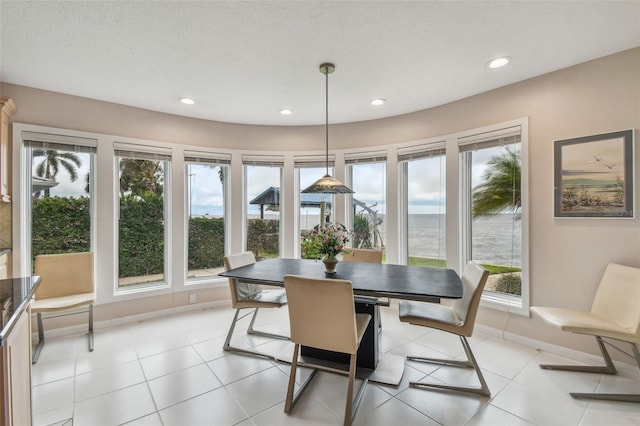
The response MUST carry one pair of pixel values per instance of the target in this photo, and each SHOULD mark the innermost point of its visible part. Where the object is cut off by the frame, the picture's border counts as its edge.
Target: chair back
(64, 274)
(240, 291)
(618, 297)
(363, 255)
(322, 313)
(473, 278)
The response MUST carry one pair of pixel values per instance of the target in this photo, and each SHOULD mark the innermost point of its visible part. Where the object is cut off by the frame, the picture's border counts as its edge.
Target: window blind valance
(48, 141)
(365, 157)
(416, 152)
(206, 157)
(307, 161)
(507, 136)
(263, 160)
(141, 152)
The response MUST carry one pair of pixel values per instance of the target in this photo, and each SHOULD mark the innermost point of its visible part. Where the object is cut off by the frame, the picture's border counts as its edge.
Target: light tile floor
(173, 371)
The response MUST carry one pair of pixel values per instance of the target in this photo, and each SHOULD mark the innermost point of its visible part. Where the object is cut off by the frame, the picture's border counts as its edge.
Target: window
(205, 176)
(312, 206)
(143, 180)
(424, 171)
(263, 177)
(62, 170)
(367, 175)
(491, 166)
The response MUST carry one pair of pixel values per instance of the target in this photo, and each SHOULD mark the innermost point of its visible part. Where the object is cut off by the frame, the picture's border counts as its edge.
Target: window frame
(202, 158)
(405, 155)
(151, 153)
(29, 137)
(493, 300)
(373, 156)
(272, 161)
(300, 162)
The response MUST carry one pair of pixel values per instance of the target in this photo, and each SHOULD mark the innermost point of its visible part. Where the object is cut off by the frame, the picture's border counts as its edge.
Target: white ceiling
(244, 61)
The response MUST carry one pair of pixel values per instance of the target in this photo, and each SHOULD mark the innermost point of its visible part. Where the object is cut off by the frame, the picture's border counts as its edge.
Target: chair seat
(62, 303)
(265, 298)
(585, 323)
(432, 315)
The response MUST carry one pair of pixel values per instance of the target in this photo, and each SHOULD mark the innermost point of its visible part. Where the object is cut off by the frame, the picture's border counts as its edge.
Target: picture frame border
(629, 175)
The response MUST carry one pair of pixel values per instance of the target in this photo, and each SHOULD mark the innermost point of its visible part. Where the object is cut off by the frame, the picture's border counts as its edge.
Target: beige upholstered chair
(368, 256)
(67, 283)
(457, 319)
(250, 296)
(615, 314)
(322, 315)
(363, 255)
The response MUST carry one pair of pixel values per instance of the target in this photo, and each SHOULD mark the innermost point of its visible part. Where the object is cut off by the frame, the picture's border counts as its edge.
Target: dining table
(370, 282)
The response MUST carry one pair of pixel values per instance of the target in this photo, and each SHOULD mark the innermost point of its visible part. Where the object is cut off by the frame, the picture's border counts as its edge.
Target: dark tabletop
(15, 294)
(368, 279)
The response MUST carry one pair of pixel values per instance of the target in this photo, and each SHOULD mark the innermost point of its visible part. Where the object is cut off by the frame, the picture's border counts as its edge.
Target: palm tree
(52, 163)
(500, 189)
(139, 176)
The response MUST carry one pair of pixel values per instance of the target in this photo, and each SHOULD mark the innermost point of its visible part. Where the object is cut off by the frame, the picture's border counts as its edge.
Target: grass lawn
(441, 263)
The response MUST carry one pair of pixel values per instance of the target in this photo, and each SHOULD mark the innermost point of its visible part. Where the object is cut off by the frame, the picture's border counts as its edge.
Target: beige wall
(567, 257)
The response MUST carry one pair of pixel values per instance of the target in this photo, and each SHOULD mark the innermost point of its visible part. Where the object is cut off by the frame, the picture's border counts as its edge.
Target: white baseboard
(114, 322)
(583, 357)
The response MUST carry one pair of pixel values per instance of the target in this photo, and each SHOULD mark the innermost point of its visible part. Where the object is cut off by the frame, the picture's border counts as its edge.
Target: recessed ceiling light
(499, 62)
(285, 111)
(378, 101)
(187, 101)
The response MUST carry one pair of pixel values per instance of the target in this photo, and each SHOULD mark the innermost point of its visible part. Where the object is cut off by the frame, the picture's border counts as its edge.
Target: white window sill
(504, 302)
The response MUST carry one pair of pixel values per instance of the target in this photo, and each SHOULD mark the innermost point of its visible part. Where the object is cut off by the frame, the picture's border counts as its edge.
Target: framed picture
(593, 176)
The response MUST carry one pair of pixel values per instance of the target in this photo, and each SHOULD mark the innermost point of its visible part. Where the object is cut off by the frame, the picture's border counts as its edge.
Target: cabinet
(16, 363)
(8, 108)
(4, 273)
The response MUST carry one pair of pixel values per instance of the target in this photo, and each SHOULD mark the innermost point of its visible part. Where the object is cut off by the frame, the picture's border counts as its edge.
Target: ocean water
(496, 239)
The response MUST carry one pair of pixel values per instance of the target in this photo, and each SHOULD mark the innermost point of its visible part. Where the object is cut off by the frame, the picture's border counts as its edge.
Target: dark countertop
(15, 294)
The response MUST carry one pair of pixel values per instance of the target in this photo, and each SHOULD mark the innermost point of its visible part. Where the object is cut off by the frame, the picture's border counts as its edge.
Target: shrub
(510, 284)
(141, 235)
(63, 225)
(206, 242)
(362, 230)
(60, 225)
(263, 236)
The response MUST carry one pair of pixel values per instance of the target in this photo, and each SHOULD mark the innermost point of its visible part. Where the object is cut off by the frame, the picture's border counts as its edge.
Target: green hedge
(263, 237)
(60, 225)
(206, 243)
(141, 235)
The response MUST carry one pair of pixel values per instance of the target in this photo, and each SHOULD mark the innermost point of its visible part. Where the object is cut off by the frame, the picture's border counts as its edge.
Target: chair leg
(288, 405)
(608, 368)
(292, 395)
(353, 403)
(251, 330)
(621, 397)
(470, 363)
(227, 343)
(38, 348)
(90, 328)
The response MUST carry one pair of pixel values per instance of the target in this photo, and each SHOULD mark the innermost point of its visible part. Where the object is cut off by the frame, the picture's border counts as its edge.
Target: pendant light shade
(327, 184)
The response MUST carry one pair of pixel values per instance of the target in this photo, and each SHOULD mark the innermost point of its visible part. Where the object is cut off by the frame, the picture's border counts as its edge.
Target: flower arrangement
(325, 240)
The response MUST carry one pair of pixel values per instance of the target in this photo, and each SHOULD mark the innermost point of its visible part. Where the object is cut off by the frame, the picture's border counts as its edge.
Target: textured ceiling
(244, 61)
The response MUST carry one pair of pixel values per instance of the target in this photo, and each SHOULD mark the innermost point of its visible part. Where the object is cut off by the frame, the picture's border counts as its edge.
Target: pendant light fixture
(327, 184)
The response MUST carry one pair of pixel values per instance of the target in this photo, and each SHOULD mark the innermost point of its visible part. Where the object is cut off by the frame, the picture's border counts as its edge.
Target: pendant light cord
(326, 119)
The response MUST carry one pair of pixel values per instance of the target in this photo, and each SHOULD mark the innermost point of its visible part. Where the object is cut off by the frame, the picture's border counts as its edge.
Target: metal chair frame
(608, 368)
